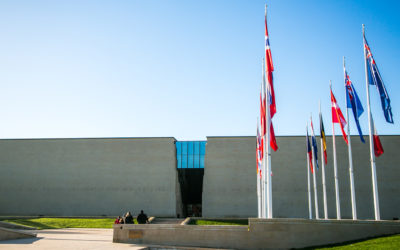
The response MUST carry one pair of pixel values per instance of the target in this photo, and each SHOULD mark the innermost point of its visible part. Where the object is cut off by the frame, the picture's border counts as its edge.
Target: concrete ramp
(12, 234)
(15, 226)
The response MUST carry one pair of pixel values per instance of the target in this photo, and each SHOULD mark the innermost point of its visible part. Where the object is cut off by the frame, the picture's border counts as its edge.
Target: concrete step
(176, 221)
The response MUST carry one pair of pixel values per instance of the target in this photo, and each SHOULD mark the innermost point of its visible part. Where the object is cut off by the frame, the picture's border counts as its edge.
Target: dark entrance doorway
(191, 182)
(190, 164)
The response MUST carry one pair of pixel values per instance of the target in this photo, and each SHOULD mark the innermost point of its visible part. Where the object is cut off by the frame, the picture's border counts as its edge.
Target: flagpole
(308, 181)
(323, 170)
(351, 172)
(371, 142)
(268, 173)
(338, 216)
(314, 175)
(263, 174)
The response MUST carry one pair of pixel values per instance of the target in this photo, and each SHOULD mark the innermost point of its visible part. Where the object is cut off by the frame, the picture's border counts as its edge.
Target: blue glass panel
(203, 147)
(178, 148)
(201, 161)
(184, 148)
(196, 161)
(190, 161)
(184, 161)
(196, 147)
(190, 147)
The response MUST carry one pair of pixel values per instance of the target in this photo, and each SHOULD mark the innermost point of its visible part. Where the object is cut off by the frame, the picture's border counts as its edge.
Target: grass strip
(386, 242)
(229, 222)
(56, 223)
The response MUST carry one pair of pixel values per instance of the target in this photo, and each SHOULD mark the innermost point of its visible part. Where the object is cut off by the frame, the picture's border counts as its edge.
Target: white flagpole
(323, 170)
(268, 151)
(371, 143)
(258, 178)
(351, 172)
(263, 200)
(308, 181)
(338, 216)
(314, 175)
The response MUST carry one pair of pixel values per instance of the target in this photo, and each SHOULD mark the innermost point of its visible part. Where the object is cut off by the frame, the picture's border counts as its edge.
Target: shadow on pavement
(20, 241)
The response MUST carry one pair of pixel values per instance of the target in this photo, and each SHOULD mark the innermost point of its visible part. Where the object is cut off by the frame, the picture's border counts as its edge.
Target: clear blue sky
(187, 69)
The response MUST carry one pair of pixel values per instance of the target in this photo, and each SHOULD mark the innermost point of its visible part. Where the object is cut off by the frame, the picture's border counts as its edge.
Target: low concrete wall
(260, 234)
(9, 234)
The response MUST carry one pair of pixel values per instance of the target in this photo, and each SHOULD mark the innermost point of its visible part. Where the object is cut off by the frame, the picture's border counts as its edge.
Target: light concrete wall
(230, 181)
(260, 234)
(70, 177)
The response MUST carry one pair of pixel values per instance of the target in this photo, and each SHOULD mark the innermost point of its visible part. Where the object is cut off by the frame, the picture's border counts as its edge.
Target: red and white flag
(337, 116)
(272, 139)
(269, 68)
(378, 149)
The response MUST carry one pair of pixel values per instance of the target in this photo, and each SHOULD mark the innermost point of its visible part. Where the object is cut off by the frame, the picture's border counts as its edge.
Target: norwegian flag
(337, 116)
(269, 68)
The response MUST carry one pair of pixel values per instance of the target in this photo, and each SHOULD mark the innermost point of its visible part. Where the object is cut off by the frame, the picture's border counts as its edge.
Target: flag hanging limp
(314, 145)
(322, 133)
(309, 152)
(378, 149)
(269, 67)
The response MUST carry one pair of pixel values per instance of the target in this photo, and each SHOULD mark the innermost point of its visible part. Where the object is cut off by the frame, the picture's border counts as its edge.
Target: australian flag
(374, 78)
(353, 102)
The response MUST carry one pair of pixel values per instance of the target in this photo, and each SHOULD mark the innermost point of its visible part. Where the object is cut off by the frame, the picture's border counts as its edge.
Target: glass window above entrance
(190, 154)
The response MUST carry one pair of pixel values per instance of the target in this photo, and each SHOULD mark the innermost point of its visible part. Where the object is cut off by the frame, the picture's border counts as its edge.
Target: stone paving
(73, 238)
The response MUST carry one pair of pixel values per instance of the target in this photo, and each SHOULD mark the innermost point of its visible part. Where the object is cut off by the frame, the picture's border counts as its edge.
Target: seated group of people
(128, 219)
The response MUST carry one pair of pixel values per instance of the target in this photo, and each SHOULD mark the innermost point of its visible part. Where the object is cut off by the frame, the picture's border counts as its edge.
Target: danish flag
(337, 116)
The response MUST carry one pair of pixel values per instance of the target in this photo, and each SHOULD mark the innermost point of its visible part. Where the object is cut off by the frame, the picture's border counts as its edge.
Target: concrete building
(109, 176)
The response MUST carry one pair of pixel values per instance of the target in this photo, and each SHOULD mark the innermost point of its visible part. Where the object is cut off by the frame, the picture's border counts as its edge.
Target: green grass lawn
(54, 223)
(233, 222)
(387, 242)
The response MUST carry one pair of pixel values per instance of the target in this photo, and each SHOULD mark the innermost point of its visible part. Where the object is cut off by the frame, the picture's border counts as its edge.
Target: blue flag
(354, 103)
(374, 78)
(314, 145)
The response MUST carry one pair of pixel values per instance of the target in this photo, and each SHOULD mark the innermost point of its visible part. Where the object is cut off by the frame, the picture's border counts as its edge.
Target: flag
(272, 140)
(353, 102)
(322, 133)
(314, 144)
(269, 69)
(374, 78)
(259, 151)
(378, 149)
(262, 114)
(337, 116)
(309, 152)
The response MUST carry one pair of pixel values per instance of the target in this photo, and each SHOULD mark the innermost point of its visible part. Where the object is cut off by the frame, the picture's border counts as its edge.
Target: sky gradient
(186, 69)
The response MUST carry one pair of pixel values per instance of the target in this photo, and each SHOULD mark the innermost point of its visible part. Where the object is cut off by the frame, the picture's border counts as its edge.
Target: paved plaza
(74, 238)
